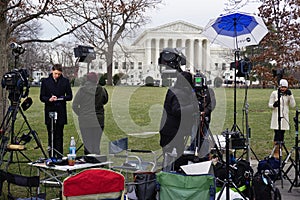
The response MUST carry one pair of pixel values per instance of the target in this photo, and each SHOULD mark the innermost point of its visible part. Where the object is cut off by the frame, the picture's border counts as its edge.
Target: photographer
(180, 109)
(286, 100)
(207, 103)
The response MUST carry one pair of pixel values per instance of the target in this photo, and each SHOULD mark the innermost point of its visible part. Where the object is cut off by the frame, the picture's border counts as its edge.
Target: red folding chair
(94, 184)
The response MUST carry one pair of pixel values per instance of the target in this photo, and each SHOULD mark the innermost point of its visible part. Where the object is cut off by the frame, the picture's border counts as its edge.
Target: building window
(140, 65)
(123, 65)
(131, 76)
(100, 65)
(116, 65)
(131, 65)
(216, 66)
(223, 66)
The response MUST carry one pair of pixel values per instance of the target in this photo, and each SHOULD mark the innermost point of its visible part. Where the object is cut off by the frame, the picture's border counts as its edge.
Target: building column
(165, 43)
(191, 54)
(155, 63)
(148, 52)
(174, 43)
(200, 54)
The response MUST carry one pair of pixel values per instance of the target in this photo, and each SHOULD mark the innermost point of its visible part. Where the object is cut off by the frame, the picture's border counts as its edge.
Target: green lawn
(133, 110)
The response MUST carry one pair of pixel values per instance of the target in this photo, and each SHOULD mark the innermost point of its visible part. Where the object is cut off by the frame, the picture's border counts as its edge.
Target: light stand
(279, 143)
(248, 129)
(296, 183)
(236, 61)
(228, 182)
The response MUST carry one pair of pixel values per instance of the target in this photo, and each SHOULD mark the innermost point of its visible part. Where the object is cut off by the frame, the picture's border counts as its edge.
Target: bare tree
(113, 20)
(19, 22)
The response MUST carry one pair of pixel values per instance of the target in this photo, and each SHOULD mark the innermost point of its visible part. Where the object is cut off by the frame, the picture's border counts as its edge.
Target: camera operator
(207, 102)
(286, 100)
(55, 91)
(180, 109)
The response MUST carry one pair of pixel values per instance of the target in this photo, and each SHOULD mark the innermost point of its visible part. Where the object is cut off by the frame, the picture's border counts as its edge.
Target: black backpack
(264, 188)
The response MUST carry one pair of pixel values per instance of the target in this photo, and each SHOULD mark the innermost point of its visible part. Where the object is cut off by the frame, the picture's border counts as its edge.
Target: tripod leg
(34, 134)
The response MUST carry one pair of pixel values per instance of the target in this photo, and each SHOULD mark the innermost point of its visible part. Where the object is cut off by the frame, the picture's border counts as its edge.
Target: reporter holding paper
(54, 93)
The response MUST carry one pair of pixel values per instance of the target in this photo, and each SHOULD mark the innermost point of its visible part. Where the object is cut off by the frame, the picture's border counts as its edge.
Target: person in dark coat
(180, 114)
(88, 105)
(207, 103)
(55, 92)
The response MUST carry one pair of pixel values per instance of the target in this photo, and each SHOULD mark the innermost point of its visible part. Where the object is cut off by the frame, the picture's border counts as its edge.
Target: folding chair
(130, 160)
(29, 182)
(94, 184)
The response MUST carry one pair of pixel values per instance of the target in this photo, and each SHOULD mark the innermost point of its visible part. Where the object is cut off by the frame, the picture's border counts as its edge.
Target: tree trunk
(109, 61)
(3, 63)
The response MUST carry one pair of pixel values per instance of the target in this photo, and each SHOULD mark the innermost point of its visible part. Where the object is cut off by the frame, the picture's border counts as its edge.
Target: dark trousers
(279, 135)
(91, 139)
(57, 140)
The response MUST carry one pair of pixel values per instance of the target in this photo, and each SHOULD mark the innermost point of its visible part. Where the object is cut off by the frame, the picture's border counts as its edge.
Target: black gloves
(275, 104)
(288, 92)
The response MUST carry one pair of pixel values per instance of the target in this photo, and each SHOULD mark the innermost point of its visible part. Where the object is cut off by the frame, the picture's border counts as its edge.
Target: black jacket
(60, 88)
(179, 115)
(88, 104)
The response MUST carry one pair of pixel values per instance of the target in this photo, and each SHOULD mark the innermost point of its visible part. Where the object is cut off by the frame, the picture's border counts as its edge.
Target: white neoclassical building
(140, 59)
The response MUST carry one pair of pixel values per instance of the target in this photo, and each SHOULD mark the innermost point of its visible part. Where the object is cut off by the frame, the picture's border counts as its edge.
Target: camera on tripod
(172, 57)
(16, 82)
(199, 82)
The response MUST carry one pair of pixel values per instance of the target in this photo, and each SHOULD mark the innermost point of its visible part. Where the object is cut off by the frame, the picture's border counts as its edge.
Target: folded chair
(131, 159)
(91, 184)
(31, 183)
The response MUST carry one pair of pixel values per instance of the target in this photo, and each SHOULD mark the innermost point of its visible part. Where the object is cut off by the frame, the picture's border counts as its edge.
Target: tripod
(228, 181)
(248, 129)
(295, 183)
(8, 129)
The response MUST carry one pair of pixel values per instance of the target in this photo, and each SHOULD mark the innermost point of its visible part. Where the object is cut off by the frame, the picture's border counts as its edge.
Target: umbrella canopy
(235, 30)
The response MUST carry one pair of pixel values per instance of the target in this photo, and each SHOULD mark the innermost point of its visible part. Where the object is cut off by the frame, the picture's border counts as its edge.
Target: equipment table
(57, 173)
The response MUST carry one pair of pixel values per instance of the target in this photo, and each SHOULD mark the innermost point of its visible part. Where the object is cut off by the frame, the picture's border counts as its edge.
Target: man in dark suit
(55, 91)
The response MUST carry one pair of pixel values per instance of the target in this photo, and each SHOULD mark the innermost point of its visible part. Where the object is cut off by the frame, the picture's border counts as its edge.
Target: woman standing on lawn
(286, 100)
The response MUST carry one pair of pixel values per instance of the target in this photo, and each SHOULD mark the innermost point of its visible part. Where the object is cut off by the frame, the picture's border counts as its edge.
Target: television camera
(173, 58)
(16, 82)
(17, 49)
(200, 84)
(244, 67)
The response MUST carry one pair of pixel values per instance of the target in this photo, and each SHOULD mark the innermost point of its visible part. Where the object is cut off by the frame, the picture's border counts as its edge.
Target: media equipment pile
(16, 84)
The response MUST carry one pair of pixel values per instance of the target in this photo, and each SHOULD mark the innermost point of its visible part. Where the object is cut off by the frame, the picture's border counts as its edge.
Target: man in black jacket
(207, 103)
(179, 116)
(88, 104)
(55, 91)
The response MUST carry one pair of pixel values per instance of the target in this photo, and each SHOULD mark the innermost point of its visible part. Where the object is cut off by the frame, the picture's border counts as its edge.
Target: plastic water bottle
(72, 146)
(173, 157)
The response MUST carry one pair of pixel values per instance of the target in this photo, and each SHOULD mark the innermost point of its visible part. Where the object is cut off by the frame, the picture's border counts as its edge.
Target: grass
(133, 110)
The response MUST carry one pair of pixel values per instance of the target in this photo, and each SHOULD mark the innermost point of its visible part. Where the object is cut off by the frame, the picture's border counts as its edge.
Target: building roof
(175, 27)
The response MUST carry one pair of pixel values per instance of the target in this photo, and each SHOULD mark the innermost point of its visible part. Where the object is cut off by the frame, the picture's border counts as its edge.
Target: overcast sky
(197, 12)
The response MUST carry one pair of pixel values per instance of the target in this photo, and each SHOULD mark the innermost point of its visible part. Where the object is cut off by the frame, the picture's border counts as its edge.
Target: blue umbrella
(235, 30)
